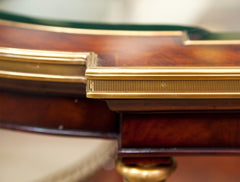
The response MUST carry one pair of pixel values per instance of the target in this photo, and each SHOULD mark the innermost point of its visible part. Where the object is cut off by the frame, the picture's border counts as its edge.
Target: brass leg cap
(145, 173)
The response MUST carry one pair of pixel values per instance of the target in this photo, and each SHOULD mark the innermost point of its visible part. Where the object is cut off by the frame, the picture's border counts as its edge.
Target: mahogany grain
(163, 131)
(56, 112)
(174, 105)
(138, 131)
(125, 50)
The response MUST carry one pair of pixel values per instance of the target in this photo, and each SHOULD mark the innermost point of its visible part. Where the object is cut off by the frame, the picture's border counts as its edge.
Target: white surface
(117, 11)
(217, 15)
(26, 157)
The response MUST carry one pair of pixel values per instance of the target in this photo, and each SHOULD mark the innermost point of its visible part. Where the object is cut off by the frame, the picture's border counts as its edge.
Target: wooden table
(160, 91)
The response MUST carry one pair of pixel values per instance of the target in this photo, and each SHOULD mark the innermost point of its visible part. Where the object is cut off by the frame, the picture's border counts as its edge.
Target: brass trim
(188, 42)
(211, 42)
(145, 173)
(31, 55)
(46, 71)
(163, 73)
(53, 66)
(163, 82)
(162, 95)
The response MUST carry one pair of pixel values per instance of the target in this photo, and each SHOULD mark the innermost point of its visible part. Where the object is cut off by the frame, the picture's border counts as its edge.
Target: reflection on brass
(163, 82)
(211, 42)
(189, 42)
(47, 67)
(145, 173)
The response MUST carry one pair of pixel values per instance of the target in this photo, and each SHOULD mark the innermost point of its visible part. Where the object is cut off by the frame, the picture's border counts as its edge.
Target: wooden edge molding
(62, 132)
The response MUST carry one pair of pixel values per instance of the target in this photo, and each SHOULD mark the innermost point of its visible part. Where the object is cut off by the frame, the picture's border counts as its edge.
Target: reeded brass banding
(167, 86)
(164, 89)
(53, 69)
(163, 82)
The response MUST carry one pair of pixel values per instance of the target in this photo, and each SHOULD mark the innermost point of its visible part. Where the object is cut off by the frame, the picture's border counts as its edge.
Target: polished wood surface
(61, 114)
(147, 130)
(174, 105)
(57, 115)
(155, 50)
(167, 134)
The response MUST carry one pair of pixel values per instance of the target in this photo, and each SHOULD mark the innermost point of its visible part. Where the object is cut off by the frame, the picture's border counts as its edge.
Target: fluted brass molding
(145, 173)
(48, 67)
(65, 70)
(163, 82)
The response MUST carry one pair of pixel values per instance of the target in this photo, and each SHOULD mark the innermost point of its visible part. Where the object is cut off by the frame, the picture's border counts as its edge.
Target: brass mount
(145, 172)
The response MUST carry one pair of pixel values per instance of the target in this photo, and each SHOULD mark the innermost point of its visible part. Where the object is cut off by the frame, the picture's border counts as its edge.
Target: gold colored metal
(119, 83)
(164, 73)
(145, 173)
(55, 66)
(48, 67)
(163, 82)
(189, 42)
